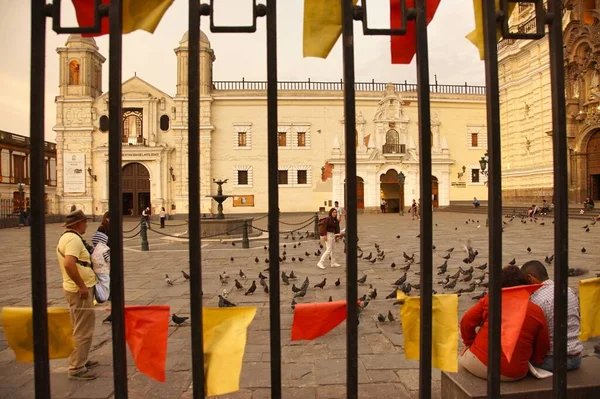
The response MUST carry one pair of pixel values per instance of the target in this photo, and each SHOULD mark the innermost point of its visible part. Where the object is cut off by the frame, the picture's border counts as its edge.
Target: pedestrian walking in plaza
(79, 281)
(163, 217)
(146, 216)
(331, 228)
(414, 210)
(382, 205)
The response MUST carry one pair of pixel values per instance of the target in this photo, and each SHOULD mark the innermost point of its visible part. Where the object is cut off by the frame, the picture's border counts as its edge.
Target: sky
(453, 60)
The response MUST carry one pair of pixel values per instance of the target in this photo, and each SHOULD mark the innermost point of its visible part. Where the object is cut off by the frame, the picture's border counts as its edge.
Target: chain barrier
(260, 218)
(169, 224)
(133, 236)
(311, 219)
(136, 226)
(286, 232)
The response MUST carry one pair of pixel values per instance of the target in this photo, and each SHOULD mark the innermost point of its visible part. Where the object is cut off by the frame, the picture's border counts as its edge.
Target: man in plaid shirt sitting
(544, 297)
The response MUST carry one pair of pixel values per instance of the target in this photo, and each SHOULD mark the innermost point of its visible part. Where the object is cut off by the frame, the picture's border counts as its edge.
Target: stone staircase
(514, 209)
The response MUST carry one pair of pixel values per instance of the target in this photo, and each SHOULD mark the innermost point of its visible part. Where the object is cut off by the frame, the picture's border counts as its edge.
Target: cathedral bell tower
(80, 82)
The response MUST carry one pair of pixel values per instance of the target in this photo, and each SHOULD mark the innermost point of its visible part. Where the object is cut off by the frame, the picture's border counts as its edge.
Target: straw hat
(74, 218)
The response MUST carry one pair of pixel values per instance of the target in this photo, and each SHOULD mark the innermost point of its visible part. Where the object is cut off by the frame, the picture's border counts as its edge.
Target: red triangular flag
(312, 320)
(514, 309)
(404, 47)
(146, 333)
(85, 13)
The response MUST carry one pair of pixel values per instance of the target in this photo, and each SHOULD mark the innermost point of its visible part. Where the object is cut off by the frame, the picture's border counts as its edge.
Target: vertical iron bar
(351, 219)
(273, 220)
(494, 197)
(39, 301)
(115, 113)
(194, 199)
(424, 109)
(561, 220)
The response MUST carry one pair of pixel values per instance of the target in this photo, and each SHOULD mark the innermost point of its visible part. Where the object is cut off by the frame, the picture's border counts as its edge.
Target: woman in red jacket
(532, 345)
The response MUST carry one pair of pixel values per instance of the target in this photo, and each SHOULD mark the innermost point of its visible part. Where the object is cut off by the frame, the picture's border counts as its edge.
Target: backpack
(99, 264)
(323, 227)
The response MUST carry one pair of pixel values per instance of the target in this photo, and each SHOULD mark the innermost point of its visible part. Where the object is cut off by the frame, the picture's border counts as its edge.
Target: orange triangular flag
(404, 47)
(514, 309)
(146, 333)
(312, 320)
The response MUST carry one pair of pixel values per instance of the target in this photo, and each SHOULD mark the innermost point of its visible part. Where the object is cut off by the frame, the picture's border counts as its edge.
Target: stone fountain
(219, 198)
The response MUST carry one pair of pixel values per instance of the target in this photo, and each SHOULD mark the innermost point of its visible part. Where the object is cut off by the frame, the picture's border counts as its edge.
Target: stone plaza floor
(310, 369)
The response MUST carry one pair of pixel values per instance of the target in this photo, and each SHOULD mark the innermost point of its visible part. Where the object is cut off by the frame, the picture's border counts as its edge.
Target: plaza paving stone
(313, 369)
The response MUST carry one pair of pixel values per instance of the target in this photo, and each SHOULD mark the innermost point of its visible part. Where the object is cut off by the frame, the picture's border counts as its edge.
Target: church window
(241, 139)
(164, 123)
(104, 123)
(392, 143)
(282, 177)
(302, 177)
(242, 177)
(73, 72)
(474, 139)
(282, 139)
(301, 139)
(132, 126)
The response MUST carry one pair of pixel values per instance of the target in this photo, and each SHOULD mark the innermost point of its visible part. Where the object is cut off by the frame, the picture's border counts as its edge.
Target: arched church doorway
(434, 192)
(593, 166)
(360, 193)
(136, 189)
(391, 191)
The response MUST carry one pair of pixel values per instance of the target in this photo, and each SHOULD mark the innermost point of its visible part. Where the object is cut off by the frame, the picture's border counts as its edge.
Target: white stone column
(159, 179)
(444, 189)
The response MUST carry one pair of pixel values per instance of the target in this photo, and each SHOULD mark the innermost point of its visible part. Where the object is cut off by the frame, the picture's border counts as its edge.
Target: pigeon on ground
(321, 284)
(401, 280)
(242, 275)
(393, 265)
(262, 276)
(168, 280)
(292, 276)
(285, 279)
(224, 303)
(337, 282)
(232, 259)
(373, 294)
(256, 260)
(185, 275)
(300, 294)
(482, 267)
(390, 316)
(583, 250)
(238, 285)
(380, 318)
(512, 262)
(295, 289)
(251, 289)
(392, 295)
(178, 320)
(330, 299)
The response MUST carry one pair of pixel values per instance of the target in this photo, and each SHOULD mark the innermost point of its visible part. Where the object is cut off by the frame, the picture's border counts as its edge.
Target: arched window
(73, 72)
(392, 137)
(164, 123)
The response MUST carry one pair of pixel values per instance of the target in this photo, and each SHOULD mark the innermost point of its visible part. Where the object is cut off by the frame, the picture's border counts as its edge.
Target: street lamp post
(21, 202)
(401, 179)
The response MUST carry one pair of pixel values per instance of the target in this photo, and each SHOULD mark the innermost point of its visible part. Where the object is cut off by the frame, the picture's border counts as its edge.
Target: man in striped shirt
(544, 297)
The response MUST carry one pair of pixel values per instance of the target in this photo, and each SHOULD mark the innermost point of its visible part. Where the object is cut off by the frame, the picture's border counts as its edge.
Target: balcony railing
(338, 86)
(134, 141)
(394, 149)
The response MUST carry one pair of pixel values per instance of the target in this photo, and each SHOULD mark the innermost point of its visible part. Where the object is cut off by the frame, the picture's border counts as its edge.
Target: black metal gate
(493, 18)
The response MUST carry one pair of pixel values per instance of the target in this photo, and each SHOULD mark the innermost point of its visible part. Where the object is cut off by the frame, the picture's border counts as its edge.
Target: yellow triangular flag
(322, 26)
(476, 37)
(589, 308)
(18, 329)
(225, 331)
(444, 350)
(143, 14)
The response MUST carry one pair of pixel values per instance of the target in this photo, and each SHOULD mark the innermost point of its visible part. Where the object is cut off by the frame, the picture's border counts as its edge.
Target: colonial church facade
(525, 106)
(233, 140)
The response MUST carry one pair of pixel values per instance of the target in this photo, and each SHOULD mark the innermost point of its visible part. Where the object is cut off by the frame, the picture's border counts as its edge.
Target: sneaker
(320, 265)
(336, 265)
(83, 375)
(90, 364)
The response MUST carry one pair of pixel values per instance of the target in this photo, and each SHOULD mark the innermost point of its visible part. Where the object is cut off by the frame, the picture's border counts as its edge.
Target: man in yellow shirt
(78, 287)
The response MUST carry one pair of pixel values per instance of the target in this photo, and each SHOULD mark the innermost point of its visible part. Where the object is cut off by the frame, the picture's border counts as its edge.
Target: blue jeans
(548, 364)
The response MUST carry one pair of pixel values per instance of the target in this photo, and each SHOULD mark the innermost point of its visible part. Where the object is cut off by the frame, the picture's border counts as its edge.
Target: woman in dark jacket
(332, 225)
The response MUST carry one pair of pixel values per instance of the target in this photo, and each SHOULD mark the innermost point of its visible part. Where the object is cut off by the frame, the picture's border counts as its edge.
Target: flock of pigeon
(470, 275)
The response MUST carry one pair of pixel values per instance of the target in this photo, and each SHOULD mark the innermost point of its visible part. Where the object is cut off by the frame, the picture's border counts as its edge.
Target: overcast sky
(452, 58)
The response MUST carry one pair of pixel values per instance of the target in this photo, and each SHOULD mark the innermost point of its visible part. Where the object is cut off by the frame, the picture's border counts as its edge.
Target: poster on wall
(74, 172)
(243, 200)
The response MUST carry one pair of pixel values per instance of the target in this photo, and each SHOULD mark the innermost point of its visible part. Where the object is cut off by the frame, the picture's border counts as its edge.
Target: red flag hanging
(312, 320)
(404, 47)
(146, 333)
(514, 310)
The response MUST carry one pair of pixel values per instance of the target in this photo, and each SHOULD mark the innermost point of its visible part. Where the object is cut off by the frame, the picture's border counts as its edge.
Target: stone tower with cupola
(80, 83)
(207, 57)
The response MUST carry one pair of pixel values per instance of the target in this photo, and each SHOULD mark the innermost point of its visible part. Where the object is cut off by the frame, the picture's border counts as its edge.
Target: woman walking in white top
(163, 217)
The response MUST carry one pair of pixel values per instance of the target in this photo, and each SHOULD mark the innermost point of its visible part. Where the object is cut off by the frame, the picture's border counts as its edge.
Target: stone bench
(582, 384)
